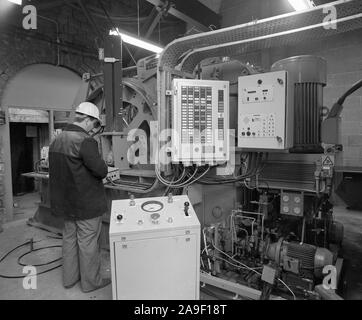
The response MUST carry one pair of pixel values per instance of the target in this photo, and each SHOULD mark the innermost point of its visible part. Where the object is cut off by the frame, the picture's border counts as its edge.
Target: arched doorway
(30, 100)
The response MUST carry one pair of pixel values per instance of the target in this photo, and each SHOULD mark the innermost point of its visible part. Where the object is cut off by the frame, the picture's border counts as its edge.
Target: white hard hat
(88, 109)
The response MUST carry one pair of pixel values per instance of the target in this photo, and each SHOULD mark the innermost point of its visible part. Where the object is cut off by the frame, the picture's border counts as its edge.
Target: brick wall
(77, 41)
(20, 48)
(344, 59)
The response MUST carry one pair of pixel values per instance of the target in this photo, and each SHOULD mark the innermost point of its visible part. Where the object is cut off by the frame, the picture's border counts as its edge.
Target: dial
(285, 198)
(152, 206)
(297, 210)
(297, 199)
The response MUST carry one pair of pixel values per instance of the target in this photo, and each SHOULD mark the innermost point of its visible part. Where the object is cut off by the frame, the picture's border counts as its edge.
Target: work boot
(71, 285)
(104, 283)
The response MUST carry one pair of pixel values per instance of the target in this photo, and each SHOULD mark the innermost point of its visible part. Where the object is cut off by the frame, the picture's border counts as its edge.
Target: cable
(40, 264)
(186, 183)
(354, 88)
(31, 250)
(138, 18)
(231, 258)
(177, 181)
(257, 158)
(115, 28)
(236, 266)
(290, 290)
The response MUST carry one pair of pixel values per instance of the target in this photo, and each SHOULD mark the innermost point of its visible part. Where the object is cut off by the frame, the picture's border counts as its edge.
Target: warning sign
(327, 161)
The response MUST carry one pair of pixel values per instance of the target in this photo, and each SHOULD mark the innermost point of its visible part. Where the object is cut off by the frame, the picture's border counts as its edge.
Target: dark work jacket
(76, 170)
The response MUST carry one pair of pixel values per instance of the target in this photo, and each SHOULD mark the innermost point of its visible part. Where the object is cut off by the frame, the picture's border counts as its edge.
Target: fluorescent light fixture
(300, 5)
(136, 41)
(18, 2)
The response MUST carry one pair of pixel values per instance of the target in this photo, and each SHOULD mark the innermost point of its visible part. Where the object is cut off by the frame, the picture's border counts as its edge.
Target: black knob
(186, 204)
(260, 81)
(119, 217)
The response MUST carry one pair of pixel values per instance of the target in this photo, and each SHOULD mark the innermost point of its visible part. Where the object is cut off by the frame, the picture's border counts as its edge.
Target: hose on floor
(31, 243)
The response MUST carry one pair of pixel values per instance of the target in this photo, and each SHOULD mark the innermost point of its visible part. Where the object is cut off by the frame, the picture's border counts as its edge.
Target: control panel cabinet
(264, 119)
(200, 121)
(155, 249)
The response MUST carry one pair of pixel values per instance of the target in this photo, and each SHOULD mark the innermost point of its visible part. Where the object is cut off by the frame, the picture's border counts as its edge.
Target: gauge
(285, 198)
(297, 199)
(297, 210)
(152, 206)
(285, 209)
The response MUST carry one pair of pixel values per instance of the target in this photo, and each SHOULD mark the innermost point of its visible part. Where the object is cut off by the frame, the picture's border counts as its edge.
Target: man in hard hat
(76, 170)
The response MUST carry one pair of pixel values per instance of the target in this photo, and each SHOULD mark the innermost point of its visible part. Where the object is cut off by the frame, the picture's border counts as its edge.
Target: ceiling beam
(192, 12)
(90, 19)
(53, 4)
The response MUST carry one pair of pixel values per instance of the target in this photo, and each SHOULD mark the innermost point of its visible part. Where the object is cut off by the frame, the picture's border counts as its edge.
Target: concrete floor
(26, 205)
(49, 285)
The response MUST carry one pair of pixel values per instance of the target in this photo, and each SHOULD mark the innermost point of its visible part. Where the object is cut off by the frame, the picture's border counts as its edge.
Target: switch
(155, 217)
(132, 202)
(186, 208)
(119, 217)
(170, 200)
(170, 220)
(140, 222)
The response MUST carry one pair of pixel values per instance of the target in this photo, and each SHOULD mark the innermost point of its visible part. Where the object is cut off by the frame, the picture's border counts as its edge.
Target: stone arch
(9, 95)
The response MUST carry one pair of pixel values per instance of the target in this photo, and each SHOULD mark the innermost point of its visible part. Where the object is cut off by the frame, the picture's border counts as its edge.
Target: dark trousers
(81, 253)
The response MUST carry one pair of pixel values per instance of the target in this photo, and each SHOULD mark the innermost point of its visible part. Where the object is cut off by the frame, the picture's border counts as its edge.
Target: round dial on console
(152, 206)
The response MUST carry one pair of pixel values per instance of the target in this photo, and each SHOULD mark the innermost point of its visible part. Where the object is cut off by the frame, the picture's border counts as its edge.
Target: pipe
(207, 251)
(51, 126)
(303, 231)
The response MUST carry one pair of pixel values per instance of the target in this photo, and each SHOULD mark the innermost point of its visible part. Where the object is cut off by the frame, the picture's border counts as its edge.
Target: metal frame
(238, 289)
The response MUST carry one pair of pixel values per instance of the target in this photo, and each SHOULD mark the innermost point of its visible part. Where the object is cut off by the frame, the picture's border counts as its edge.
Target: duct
(274, 31)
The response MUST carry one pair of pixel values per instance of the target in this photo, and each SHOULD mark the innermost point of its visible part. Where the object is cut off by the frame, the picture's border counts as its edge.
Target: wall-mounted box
(264, 119)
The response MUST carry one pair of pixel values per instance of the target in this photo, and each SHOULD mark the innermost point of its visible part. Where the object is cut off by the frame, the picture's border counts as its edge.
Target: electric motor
(302, 259)
(306, 77)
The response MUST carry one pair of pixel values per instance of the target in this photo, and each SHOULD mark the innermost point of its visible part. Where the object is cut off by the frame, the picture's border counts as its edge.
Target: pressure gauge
(297, 199)
(297, 210)
(285, 198)
(152, 206)
(285, 209)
